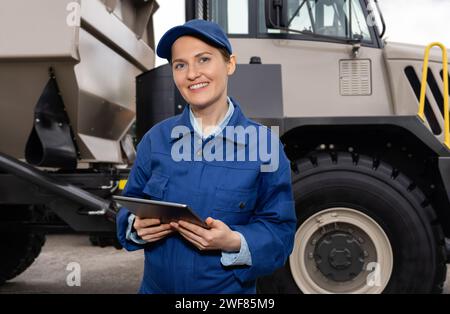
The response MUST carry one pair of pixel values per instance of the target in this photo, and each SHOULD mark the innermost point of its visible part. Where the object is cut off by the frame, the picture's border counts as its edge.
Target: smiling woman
(247, 206)
(201, 75)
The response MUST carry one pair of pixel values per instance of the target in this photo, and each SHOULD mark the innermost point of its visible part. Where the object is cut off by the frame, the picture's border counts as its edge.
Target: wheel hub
(339, 256)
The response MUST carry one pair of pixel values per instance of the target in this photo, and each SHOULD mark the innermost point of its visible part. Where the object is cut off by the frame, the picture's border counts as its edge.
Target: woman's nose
(192, 72)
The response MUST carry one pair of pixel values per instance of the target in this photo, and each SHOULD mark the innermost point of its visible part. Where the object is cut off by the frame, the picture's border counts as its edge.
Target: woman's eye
(204, 59)
(179, 66)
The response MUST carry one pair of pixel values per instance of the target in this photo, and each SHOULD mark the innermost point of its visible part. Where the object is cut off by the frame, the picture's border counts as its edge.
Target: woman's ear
(231, 65)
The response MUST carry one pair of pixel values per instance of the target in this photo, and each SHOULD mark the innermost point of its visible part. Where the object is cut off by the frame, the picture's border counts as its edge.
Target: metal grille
(434, 97)
(429, 112)
(355, 77)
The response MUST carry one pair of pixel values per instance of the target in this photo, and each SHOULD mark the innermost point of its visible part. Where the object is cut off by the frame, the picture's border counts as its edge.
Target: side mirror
(276, 12)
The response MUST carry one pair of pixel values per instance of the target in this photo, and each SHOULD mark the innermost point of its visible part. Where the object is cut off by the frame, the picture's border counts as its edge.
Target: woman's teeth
(197, 86)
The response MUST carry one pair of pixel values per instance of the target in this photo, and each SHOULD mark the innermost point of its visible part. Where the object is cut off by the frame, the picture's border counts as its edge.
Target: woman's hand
(219, 237)
(151, 230)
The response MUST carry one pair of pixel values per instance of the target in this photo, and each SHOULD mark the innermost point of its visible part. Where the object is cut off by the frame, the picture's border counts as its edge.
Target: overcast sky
(417, 21)
(411, 21)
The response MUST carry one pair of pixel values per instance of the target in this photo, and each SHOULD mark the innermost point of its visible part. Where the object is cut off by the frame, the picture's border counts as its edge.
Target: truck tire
(18, 250)
(363, 227)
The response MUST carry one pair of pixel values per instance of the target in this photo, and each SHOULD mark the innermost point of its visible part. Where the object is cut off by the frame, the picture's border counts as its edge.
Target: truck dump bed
(94, 50)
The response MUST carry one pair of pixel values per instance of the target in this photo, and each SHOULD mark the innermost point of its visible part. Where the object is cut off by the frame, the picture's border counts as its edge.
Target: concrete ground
(102, 270)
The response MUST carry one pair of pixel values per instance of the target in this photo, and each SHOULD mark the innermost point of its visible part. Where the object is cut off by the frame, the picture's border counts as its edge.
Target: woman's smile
(198, 87)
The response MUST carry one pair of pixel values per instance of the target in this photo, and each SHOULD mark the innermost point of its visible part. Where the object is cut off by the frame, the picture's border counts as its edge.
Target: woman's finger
(197, 245)
(193, 236)
(155, 239)
(140, 223)
(202, 232)
(152, 230)
(157, 235)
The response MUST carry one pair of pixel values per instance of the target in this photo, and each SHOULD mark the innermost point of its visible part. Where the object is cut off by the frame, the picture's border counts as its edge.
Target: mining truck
(364, 122)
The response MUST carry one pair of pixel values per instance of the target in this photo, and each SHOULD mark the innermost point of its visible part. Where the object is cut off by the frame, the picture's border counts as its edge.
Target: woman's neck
(209, 117)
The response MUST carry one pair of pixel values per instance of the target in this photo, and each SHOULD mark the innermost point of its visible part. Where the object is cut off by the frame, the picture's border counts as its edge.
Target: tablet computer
(165, 211)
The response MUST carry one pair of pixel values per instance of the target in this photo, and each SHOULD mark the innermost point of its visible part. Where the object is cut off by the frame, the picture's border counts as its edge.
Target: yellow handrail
(424, 88)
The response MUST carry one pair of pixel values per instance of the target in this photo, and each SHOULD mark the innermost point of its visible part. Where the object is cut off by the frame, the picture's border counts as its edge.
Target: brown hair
(225, 54)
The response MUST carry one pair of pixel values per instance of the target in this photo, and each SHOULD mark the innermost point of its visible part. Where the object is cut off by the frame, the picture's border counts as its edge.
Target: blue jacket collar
(237, 119)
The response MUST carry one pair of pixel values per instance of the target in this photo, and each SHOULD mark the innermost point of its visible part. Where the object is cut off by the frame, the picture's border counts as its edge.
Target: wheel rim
(341, 250)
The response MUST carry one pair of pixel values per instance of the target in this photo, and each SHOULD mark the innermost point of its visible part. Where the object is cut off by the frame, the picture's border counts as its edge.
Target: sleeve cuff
(243, 257)
(132, 236)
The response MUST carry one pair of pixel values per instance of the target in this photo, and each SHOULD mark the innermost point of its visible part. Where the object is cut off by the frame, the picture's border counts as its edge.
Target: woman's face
(200, 72)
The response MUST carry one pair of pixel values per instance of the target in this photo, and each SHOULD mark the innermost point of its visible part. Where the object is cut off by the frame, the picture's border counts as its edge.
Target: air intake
(355, 77)
(429, 113)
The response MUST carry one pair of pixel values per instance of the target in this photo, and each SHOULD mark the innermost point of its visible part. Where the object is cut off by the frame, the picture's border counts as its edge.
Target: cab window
(232, 15)
(337, 18)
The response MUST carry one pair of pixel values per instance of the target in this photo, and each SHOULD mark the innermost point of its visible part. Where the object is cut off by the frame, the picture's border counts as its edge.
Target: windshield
(337, 18)
(330, 18)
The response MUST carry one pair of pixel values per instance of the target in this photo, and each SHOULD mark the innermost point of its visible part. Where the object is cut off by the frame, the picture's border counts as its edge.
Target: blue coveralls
(257, 204)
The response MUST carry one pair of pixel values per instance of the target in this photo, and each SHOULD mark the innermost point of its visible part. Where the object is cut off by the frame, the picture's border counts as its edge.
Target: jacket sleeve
(243, 257)
(139, 175)
(270, 233)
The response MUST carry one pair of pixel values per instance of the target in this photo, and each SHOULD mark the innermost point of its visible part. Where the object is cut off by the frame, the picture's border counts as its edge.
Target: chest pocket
(156, 186)
(234, 206)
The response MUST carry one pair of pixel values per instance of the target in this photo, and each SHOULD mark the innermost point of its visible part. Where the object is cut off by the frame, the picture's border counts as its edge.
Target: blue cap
(208, 31)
